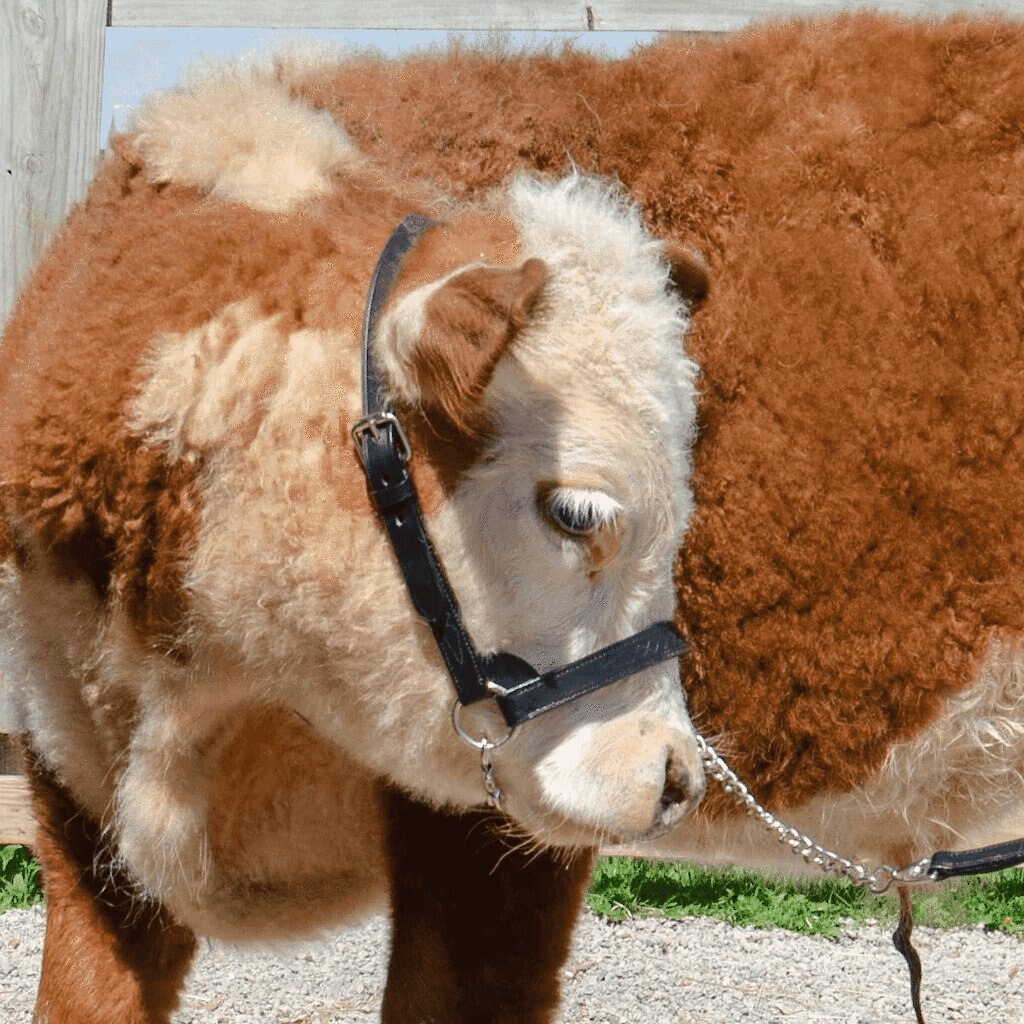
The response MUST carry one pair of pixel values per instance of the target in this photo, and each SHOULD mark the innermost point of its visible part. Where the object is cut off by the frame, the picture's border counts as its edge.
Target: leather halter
(521, 692)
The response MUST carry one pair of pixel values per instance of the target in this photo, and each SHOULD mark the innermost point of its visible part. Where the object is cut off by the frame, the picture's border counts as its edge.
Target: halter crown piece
(521, 692)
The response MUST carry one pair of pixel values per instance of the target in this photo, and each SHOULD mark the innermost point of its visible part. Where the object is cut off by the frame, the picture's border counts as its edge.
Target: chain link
(494, 794)
(878, 881)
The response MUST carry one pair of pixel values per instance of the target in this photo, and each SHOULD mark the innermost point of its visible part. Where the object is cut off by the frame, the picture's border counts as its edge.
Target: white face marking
(594, 422)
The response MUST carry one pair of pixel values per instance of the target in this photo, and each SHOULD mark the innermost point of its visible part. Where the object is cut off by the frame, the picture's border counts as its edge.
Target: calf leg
(107, 957)
(480, 929)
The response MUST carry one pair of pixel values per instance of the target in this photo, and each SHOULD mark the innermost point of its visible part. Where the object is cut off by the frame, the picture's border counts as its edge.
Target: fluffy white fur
(236, 134)
(51, 639)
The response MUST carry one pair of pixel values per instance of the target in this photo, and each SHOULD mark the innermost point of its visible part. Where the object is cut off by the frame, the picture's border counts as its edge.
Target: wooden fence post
(51, 80)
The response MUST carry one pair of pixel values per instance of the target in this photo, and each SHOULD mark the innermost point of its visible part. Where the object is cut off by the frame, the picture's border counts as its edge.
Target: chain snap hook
(494, 794)
(485, 745)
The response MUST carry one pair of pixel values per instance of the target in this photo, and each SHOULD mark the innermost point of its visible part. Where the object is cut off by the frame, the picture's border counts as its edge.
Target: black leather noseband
(521, 692)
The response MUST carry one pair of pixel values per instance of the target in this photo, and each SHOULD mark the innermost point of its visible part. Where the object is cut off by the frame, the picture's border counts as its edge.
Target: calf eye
(576, 512)
(578, 521)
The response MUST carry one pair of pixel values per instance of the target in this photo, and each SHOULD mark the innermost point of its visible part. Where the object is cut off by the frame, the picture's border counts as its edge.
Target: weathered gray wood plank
(8, 720)
(571, 15)
(51, 76)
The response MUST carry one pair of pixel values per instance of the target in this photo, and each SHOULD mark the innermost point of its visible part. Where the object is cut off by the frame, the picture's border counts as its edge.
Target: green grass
(19, 879)
(624, 888)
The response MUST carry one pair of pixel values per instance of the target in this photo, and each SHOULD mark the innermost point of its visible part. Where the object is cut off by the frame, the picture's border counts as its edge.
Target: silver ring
(483, 743)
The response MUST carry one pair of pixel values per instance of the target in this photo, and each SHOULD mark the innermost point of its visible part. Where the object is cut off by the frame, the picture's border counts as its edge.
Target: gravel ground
(650, 971)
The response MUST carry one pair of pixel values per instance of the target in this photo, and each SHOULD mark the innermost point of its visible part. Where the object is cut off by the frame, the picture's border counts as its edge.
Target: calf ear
(445, 341)
(689, 273)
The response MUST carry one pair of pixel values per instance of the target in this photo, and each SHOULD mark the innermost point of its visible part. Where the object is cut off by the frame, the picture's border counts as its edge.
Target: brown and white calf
(237, 724)
(851, 582)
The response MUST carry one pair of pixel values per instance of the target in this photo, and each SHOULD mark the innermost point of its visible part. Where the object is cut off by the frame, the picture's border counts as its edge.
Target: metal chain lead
(878, 880)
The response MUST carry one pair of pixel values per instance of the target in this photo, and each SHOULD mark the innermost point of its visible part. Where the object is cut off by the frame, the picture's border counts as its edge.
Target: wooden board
(619, 15)
(51, 75)
(16, 822)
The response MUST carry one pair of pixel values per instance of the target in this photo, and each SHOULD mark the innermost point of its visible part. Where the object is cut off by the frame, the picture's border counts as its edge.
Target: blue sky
(138, 60)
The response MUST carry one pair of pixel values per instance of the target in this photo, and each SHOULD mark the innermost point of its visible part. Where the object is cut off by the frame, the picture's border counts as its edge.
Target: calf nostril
(679, 785)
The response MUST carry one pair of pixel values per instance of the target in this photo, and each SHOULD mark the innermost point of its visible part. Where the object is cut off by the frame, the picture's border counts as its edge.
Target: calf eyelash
(578, 512)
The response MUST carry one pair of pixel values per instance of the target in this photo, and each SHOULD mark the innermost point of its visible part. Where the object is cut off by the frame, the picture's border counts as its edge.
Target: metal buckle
(372, 425)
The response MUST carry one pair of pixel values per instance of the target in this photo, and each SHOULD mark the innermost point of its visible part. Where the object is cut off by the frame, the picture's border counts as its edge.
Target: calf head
(534, 349)
(560, 380)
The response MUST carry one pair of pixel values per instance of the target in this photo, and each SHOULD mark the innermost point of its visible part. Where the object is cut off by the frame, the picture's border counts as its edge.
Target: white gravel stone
(652, 971)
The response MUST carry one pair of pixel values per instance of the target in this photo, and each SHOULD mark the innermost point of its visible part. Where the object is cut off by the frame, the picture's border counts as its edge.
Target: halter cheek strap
(521, 692)
(385, 452)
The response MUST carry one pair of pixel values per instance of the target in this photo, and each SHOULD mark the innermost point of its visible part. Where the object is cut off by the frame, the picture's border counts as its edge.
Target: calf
(237, 724)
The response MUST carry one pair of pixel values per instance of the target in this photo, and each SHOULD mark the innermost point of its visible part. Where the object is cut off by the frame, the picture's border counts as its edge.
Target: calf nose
(684, 788)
